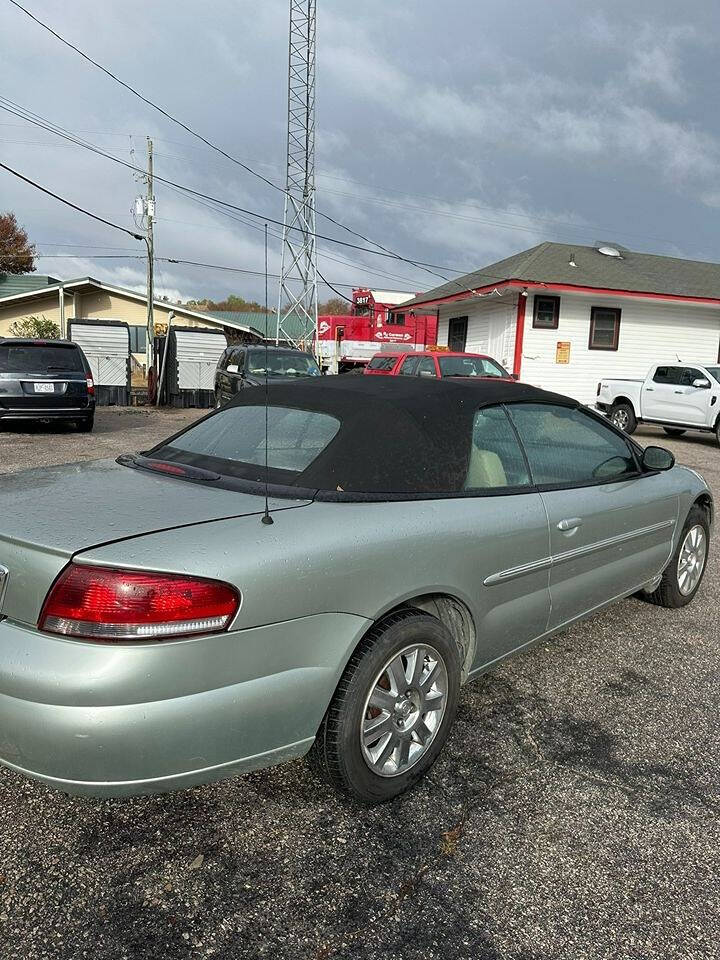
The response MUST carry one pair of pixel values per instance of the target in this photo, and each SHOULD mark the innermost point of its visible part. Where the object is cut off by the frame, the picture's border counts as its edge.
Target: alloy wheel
(404, 710)
(620, 419)
(691, 560)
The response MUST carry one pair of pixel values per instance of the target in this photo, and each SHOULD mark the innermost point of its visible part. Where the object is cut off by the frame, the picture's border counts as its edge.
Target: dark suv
(244, 366)
(45, 380)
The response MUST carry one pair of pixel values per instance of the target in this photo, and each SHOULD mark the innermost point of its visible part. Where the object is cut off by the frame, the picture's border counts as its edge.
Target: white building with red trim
(562, 317)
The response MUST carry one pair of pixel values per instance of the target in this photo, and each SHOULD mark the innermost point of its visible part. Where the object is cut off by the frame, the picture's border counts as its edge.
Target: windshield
(282, 363)
(714, 373)
(42, 358)
(382, 363)
(470, 367)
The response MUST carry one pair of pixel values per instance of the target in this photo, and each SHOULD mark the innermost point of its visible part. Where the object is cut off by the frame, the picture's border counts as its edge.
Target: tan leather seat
(485, 470)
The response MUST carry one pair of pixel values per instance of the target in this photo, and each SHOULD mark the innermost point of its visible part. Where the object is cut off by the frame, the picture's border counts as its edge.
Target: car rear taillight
(90, 386)
(106, 604)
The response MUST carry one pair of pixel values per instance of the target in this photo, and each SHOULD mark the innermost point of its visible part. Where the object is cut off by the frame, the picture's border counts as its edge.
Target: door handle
(571, 523)
(679, 391)
(649, 389)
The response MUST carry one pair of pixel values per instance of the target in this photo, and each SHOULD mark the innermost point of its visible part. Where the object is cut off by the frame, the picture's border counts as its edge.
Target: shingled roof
(551, 263)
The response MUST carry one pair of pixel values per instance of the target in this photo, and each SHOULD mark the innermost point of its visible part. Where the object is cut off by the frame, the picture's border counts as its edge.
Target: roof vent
(607, 251)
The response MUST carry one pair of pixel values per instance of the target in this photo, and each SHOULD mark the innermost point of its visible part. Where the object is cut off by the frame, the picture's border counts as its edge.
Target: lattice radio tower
(297, 299)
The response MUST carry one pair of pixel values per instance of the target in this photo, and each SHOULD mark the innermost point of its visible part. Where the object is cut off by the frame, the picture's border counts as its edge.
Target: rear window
(43, 358)
(470, 367)
(237, 435)
(281, 363)
(382, 363)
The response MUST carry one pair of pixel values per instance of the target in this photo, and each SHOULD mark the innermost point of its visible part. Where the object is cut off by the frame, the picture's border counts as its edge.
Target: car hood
(260, 381)
(64, 509)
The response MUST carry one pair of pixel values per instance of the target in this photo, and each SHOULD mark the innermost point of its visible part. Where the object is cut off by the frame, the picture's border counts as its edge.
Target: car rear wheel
(674, 431)
(392, 710)
(623, 417)
(683, 575)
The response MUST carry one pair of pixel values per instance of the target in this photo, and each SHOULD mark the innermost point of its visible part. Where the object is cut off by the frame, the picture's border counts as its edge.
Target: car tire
(683, 575)
(623, 417)
(717, 431)
(86, 424)
(345, 748)
(674, 431)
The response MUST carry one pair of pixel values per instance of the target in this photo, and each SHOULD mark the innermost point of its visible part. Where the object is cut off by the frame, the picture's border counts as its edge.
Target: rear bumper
(52, 413)
(116, 720)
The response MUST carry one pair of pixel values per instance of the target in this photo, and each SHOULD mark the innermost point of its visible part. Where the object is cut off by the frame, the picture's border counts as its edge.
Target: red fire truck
(376, 322)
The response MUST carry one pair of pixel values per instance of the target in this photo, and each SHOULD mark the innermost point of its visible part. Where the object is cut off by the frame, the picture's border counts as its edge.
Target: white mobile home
(561, 316)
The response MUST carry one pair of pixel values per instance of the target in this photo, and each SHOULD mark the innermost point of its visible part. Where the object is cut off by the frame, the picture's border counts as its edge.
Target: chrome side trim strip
(611, 542)
(503, 576)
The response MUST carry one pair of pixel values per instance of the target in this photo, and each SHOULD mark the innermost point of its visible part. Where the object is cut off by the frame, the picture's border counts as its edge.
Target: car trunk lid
(49, 514)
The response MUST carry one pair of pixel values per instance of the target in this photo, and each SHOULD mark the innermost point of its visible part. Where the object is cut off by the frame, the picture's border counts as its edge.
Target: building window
(546, 313)
(138, 339)
(399, 319)
(604, 328)
(457, 334)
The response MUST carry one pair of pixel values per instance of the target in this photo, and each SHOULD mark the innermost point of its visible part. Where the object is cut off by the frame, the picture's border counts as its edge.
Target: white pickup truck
(675, 396)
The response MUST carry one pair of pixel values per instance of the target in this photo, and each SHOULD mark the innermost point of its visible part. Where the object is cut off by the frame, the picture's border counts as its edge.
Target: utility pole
(150, 215)
(297, 299)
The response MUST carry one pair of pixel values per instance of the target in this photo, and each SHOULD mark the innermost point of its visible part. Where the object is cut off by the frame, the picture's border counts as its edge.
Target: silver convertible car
(163, 624)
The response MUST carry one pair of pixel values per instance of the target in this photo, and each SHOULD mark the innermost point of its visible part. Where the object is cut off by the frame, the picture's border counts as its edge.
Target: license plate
(44, 387)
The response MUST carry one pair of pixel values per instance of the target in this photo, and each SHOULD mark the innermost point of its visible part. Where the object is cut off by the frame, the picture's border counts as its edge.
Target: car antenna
(266, 518)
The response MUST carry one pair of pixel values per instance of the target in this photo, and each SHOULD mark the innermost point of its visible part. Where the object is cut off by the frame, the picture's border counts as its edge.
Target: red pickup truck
(436, 363)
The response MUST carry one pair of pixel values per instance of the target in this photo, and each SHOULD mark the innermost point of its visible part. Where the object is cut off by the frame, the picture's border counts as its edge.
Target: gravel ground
(117, 430)
(573, 815)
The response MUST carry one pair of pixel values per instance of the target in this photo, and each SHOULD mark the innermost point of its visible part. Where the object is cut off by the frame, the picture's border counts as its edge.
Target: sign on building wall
(562, 351)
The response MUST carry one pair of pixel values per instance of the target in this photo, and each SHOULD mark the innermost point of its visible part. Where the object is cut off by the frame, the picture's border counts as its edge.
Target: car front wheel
(683, 575)
(622, 416)
(393, 708)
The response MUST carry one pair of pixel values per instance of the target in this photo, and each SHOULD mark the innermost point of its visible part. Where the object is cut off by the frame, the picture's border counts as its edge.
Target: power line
(382, 252)
(209, 143)
(333, 288)
(175, 260)
(69, 203)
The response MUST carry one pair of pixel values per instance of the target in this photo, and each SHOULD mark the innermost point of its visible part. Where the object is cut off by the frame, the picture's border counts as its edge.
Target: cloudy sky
(456, 132)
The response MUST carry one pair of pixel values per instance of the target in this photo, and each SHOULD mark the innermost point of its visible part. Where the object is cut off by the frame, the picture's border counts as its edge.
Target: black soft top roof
(397, 435)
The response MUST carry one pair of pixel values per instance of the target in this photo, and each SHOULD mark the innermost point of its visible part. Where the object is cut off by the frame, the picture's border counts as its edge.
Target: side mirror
(702, 383)
(232, 368)
(657, 458)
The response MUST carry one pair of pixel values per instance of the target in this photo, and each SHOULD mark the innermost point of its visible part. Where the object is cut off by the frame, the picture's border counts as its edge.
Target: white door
(692, 403)
(661, 394)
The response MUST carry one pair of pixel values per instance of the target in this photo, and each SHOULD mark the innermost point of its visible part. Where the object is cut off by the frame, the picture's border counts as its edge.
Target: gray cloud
(480, 128)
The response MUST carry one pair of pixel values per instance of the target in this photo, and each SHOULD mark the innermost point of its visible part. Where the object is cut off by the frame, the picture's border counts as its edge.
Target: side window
(426, 367)
(667, 375)
(546, 312)
(689, 375)
(238, 357)
(604, 328)
(409, 366)
(566, 446)
(496, 459)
